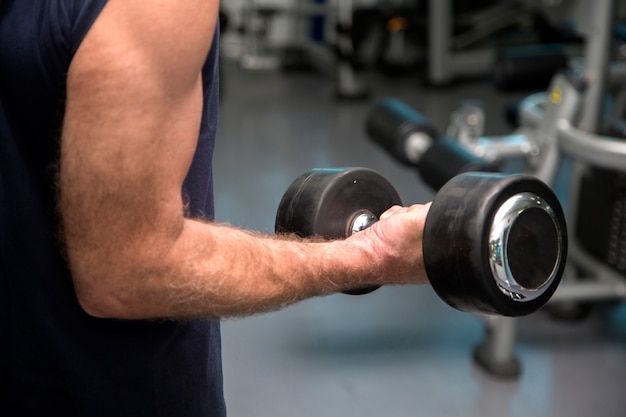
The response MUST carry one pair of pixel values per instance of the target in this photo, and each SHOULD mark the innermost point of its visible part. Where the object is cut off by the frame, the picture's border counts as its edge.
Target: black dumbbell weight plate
(325, 203)
(495, 243)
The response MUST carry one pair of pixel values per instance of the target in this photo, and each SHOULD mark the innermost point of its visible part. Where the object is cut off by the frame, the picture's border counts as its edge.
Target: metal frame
(449, 56)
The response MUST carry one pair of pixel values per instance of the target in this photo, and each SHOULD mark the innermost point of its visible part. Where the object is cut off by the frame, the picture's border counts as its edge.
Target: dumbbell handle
(361, 220)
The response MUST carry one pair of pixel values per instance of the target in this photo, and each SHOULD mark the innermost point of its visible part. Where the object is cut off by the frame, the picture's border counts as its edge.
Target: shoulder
(171, 37)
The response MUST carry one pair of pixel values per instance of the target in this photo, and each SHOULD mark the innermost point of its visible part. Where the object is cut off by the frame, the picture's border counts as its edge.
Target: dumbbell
(411, 139)
(492, 243)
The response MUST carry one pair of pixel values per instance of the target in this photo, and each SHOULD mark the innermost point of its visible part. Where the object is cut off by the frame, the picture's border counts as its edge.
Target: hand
(395, 243)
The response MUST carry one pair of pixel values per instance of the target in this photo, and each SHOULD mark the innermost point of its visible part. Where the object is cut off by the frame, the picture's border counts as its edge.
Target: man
(113, 277)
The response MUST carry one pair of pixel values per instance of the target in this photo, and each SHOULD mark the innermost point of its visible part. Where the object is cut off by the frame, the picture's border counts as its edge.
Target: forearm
(242, 272)
(212, 270)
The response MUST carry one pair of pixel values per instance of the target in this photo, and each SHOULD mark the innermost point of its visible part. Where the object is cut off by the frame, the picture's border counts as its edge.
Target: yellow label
(556, 95)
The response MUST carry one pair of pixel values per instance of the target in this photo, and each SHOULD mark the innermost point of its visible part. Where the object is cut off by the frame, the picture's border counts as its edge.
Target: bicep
(132, 117)
(134, 88)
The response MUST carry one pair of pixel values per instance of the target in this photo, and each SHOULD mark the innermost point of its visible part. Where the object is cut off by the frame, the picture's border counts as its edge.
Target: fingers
(390, 211)
(413, 208)
(426, 207)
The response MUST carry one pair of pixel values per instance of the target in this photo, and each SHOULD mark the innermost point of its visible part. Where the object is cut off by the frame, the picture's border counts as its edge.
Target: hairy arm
(131, 126)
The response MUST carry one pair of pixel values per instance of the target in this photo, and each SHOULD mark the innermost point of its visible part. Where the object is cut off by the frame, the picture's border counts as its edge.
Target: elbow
(100, 280)
(128, 283)
(105, 291)
(101, 301)
(119, 289)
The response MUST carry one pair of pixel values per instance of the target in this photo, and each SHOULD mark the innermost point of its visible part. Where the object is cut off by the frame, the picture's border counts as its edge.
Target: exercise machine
(567, 123)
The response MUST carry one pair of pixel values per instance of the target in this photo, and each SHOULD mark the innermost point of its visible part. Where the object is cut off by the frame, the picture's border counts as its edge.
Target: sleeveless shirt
(54, 358)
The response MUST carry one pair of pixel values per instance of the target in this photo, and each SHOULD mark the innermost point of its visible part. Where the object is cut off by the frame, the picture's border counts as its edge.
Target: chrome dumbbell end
(495, 243)
(525, 247)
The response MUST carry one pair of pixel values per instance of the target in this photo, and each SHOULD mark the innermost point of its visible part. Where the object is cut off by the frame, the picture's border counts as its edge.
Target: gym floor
(399, 351)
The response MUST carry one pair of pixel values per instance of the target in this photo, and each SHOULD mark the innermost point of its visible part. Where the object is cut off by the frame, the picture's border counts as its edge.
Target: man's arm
(131, 126)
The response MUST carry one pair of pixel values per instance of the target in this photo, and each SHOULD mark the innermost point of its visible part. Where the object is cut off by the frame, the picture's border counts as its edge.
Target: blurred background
(300, 78)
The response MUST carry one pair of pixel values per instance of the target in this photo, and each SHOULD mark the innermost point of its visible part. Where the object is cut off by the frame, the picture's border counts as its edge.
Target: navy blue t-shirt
(54, 358)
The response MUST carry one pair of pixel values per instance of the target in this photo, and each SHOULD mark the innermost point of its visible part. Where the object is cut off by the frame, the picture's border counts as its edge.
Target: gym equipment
(480, 233)
(401, 32)
(257, 51)
(561, 126)
(456, 53)
(413, 140)
(350, 70)
(528, 67)
(327, 35)
(259, 20)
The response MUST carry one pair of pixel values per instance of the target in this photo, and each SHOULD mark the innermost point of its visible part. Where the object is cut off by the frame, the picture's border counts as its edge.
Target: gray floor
(399, 351)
